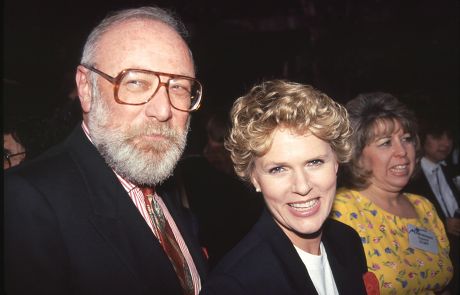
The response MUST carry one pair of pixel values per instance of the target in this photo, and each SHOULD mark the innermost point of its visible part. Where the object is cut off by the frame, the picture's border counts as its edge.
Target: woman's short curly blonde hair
(282, 104)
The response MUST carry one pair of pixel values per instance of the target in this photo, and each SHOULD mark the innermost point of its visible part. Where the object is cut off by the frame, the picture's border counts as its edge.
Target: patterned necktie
(166, 237)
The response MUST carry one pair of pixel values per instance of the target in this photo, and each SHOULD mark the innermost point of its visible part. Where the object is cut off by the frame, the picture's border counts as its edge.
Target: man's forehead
(144, 44)
(133, 28)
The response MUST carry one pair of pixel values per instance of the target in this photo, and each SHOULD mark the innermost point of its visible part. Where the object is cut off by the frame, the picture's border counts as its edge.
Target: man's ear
(83, 88)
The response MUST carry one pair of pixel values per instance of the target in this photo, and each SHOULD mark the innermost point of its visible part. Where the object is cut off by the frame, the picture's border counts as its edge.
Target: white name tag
(422, 239)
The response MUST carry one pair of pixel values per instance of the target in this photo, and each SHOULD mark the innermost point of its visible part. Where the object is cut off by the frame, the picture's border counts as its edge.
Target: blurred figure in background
(224, 207)
(34, 124)
(435, 181)
(14, 151)
(217, 129)
(14, 119)
(404, 239)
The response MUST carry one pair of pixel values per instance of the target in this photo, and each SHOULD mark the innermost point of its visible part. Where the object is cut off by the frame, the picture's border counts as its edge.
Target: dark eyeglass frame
(7, 156)
(116, 85)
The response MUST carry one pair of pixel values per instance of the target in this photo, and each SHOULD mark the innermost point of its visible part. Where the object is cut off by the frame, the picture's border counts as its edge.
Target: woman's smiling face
(297, 177)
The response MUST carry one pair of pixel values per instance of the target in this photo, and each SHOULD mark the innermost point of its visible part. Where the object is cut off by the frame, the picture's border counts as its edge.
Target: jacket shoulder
(346, 242)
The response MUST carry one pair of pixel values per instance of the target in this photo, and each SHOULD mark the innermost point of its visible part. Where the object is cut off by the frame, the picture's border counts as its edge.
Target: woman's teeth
(304, 205)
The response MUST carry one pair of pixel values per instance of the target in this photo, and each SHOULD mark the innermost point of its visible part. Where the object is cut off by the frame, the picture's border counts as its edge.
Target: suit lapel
(293, 266)
(419, 185)
(347, 272)
(430, 195)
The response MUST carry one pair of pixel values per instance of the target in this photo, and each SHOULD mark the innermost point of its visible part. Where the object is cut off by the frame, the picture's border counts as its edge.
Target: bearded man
(98, 214)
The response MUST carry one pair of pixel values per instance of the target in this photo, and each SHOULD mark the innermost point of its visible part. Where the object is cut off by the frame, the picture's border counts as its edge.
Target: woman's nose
(301, 184)
(400, 149)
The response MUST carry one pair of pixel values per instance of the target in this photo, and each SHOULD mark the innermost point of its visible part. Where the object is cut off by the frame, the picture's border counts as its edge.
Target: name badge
(422, 239)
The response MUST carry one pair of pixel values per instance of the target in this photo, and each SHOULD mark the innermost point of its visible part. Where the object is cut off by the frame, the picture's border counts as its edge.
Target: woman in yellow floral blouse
(405, 241)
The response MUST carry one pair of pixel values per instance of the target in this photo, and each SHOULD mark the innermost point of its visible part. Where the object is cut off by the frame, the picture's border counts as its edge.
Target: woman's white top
(319, 270)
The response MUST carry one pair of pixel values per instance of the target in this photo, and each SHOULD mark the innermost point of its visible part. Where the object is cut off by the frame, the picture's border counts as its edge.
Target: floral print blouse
(399, 267)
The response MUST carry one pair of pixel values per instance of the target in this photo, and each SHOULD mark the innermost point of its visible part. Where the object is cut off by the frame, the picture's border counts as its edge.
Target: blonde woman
(287, 141)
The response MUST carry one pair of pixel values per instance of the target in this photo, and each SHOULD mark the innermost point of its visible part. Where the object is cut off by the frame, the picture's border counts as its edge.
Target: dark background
(343, 47)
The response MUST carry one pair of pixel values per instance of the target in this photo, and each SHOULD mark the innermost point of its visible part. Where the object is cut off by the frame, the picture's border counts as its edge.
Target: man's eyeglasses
(137, 87)
(7, 158)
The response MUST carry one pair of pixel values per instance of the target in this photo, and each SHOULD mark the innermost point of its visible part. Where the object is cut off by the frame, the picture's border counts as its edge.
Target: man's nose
(159, 105)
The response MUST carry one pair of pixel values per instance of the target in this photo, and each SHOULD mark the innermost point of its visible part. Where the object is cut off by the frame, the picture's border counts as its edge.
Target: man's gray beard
(141, 162)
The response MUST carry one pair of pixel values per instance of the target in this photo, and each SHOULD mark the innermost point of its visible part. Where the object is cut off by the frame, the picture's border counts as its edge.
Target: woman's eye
(316, 162)
(385, 143)
(276, 170)
(407, 138)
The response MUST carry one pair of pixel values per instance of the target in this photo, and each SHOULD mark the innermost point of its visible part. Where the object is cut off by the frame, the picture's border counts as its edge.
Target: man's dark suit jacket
(71, 228)
(265, 262)
(419, 185)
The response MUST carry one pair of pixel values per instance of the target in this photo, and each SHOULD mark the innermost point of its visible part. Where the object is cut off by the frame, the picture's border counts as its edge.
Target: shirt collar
(429, 166)
(86, 130)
